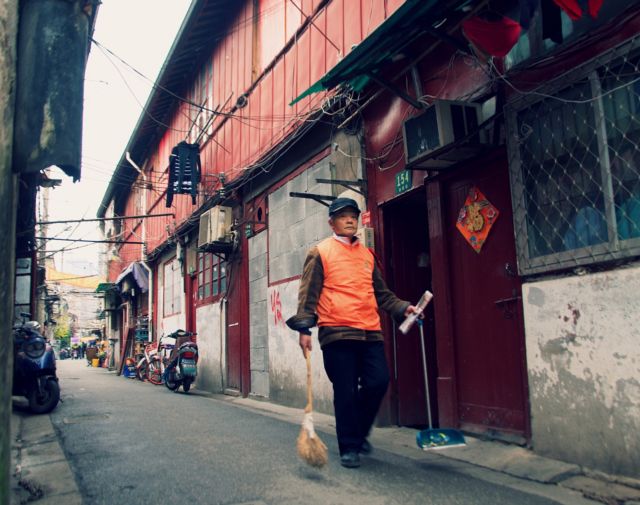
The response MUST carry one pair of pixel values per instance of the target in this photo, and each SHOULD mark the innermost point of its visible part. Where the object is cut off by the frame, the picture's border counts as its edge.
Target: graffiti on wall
(276, 308)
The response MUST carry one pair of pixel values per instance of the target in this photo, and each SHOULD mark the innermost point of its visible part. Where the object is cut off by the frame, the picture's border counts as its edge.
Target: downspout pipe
(143, 251)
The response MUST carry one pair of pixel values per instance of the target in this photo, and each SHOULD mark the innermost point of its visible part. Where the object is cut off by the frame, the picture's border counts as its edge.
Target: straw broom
(310, 448)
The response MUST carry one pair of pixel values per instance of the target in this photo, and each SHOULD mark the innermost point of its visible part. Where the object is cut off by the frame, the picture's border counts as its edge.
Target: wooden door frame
(446, 381)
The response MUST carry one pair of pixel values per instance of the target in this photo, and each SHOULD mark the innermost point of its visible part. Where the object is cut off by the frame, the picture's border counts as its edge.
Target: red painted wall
(246, 136)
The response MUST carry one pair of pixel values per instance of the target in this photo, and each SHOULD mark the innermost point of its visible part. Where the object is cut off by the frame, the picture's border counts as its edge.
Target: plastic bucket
(95, 362)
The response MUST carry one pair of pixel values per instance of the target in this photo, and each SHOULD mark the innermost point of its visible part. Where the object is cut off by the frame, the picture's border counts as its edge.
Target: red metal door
(486, 309)
(191, 295)
(238, 373)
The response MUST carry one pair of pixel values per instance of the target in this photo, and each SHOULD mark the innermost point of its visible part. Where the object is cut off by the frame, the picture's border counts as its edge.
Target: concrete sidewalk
(42, 474)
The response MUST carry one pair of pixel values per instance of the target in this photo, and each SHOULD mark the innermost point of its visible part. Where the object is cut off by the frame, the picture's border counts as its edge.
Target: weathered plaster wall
(259, 342)
(288, 371)
(583, 354)
(210, 321)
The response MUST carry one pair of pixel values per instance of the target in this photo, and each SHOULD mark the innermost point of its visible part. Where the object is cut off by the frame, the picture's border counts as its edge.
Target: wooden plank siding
(246, 136)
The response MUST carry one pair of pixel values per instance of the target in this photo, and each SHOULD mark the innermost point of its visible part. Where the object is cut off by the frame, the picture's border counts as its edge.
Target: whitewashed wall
(174, 322)
(211, 325)
(583, 357)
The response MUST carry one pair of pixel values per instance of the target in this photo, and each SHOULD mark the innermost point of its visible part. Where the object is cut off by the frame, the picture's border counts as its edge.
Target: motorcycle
(183, 368)
(34, 367)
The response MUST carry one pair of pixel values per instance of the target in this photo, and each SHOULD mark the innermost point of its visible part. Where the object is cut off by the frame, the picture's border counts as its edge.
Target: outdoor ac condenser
(220, 224)
(443, 135)
(215, 226)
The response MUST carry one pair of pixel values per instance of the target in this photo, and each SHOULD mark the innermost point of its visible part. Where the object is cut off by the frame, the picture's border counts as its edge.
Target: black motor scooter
(183, 368)
(34, 367)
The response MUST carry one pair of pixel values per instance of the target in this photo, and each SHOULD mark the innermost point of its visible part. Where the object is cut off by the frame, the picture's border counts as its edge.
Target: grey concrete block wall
(259, 383)
(258, 310)
(295, 224)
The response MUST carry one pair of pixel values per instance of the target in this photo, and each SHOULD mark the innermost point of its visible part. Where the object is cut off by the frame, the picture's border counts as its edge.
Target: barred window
(575, 167)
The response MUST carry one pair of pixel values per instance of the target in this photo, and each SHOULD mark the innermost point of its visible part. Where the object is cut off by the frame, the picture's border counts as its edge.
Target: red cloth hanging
(574, 11)
(492, 37)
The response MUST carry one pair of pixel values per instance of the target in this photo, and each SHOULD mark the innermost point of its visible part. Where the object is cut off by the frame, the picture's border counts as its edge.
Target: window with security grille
(575, 166)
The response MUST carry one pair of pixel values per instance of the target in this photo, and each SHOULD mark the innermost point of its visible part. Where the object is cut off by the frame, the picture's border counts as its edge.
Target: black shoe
(366, 448)
(350, 459)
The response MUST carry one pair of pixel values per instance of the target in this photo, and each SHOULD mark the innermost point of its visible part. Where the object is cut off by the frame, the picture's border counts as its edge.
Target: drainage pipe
(143, 252)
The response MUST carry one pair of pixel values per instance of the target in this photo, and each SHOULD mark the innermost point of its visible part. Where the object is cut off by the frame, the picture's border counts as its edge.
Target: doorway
(408, 274)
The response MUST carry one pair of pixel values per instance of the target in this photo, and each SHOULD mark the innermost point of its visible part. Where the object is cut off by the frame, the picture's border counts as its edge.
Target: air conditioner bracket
(318, 198)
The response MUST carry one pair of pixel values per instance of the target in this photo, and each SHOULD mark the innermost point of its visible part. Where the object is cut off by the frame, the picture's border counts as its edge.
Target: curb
(40, 470)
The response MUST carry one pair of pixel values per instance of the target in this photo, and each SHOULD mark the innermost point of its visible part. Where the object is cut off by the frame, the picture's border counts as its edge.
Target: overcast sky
(140, 32)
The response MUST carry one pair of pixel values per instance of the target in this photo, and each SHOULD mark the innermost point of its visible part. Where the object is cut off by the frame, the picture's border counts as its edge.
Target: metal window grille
(574, 154)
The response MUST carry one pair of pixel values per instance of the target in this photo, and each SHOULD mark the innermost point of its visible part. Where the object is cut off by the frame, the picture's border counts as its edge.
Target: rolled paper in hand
(411, 318)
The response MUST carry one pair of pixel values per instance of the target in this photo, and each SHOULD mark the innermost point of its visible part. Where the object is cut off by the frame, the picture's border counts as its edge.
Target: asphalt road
(134, 443)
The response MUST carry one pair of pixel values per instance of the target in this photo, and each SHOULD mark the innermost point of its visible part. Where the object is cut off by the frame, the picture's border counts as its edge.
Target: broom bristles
(310, 448)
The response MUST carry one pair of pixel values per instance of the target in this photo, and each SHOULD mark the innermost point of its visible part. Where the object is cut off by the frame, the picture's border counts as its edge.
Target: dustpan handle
(424, 370)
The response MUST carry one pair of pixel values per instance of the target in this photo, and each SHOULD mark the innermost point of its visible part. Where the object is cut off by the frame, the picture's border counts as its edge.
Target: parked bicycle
(142, 363)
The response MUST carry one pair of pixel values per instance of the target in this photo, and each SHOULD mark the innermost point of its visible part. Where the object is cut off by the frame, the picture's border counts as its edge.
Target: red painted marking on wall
(276, 308)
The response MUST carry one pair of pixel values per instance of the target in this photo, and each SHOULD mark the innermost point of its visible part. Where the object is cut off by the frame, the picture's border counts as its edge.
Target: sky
(140, 32)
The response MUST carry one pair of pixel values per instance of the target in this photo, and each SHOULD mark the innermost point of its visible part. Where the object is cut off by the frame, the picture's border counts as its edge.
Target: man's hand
(305, 343)
(412, 309)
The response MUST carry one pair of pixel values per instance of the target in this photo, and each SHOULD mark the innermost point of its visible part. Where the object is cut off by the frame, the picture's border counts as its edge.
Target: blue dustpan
(434, 438)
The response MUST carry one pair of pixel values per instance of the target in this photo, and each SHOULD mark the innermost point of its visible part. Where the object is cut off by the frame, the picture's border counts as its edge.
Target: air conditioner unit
(204, 228)
(220, 223)
(215, 226)
(446, 133)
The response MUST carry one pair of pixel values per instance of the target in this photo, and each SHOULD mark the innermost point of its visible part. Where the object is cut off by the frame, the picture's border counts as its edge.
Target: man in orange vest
(341, 290)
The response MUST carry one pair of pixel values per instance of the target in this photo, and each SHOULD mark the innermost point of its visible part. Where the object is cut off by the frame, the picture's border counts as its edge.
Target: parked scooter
(183, 368)
(34, 367)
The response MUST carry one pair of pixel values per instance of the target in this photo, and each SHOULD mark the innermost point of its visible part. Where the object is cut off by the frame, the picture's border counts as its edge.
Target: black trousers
(360, 377)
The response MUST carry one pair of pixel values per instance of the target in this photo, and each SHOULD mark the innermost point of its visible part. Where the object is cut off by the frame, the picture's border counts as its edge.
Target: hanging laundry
(574, 11)
(495, 38)
(551, 21)
(184, 171)
(527, 11)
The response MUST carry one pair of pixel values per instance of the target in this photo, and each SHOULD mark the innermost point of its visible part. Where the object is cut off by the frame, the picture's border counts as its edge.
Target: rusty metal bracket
(318, 198)
(352, 185)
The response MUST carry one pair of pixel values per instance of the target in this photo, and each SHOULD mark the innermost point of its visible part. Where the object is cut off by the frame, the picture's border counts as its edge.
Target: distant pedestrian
(341, 290)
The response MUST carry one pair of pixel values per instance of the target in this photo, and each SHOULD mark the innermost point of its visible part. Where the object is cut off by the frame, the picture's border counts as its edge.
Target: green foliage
(63, 331)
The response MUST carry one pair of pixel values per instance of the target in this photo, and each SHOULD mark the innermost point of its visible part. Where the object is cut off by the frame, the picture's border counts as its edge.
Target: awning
(103, 287)
(354, 71)
(139, 274)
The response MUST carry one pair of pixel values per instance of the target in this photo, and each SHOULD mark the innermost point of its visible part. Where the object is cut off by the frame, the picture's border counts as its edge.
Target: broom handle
(307, 356)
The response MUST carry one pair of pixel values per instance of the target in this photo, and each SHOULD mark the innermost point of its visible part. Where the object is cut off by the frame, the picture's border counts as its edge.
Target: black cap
(343, 203)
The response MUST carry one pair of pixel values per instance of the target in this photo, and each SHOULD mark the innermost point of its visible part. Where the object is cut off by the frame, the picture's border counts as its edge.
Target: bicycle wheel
(142, 372)
(154, 371)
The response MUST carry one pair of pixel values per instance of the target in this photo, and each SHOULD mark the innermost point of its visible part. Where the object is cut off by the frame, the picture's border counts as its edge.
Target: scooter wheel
(172, 385)
(186, 385)
(47, 401)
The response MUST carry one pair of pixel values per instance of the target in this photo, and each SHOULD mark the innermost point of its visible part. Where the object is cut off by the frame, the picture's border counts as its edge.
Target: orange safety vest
(347, 297)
